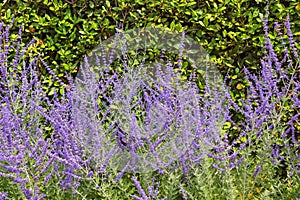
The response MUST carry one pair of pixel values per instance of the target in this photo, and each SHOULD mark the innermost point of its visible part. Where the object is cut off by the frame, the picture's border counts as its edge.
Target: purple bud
(257, 171)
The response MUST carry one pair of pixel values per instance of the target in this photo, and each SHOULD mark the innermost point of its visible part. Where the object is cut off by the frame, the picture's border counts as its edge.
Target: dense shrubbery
(261, 162)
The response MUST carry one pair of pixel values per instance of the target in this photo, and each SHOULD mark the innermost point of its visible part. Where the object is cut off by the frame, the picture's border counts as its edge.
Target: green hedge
(230, 30)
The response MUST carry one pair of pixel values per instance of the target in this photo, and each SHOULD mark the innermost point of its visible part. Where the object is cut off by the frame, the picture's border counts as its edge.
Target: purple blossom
(257, 171)
(291, 38)
(139, 188)
(183, 192)
(3, 195)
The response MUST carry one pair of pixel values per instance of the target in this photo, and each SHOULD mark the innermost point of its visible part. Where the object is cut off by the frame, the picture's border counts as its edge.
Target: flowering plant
(85, 123)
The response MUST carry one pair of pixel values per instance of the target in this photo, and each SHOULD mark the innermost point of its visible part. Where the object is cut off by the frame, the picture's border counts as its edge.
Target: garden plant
(52, 145)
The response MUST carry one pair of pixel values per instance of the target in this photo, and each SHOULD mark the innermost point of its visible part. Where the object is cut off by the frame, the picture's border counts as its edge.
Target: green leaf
(114, 107)
(91, 4)
(107, 4)
(243, 139)
(271, 36)
(297, 33)
(242, 29)
(61, 91)
(234, 77)
(8, 13)
(172, 25)
(298, 6)
(51, 92)
(179, 27)
(66, 66)
(227, 125)
(201, 23)
(205, 21)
